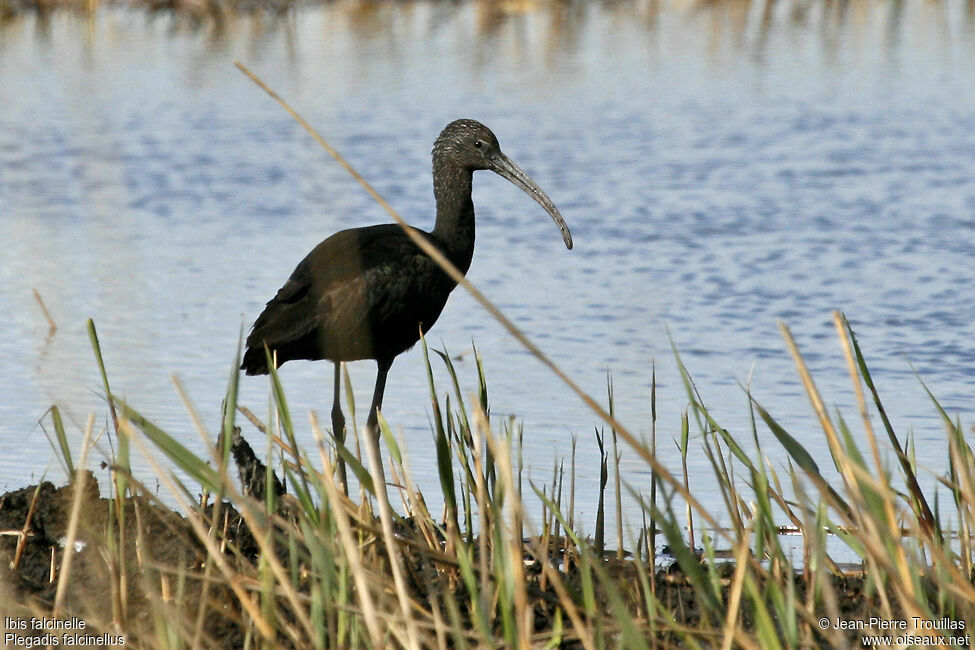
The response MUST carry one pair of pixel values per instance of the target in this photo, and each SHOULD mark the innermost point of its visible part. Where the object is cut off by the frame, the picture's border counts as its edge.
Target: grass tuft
(309, 567)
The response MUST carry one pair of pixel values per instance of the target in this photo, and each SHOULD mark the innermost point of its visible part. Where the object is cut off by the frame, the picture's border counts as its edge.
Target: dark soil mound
(161, 560)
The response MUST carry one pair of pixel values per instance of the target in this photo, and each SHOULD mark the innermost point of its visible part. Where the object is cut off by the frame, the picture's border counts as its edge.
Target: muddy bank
(162, 569)
(158, 570)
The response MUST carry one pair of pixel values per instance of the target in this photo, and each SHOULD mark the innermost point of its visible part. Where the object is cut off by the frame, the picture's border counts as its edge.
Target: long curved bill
(507, 169)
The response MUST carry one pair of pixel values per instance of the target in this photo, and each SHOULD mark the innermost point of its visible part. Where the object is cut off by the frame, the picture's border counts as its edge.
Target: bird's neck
(454, 229)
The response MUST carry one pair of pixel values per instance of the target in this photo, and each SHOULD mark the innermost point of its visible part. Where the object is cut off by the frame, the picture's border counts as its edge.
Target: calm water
(722, 167)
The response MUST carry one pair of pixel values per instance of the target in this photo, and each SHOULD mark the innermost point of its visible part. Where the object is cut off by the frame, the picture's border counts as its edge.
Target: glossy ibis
(366, 293)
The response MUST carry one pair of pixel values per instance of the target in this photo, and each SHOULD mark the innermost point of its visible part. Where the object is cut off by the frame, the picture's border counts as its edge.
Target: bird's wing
(333, 276)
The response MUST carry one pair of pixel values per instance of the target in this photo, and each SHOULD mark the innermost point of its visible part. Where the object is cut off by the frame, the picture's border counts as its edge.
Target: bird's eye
(478, 144)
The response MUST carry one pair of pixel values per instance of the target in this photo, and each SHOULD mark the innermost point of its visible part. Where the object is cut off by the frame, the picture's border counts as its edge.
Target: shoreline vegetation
(216, 10)
(300, 565)
(739, 18)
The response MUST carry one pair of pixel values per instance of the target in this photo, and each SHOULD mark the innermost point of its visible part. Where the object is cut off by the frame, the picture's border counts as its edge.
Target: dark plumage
(365, 293)
(360, 294)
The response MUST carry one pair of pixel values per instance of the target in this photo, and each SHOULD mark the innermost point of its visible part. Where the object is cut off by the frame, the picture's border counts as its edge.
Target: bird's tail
(255, 361)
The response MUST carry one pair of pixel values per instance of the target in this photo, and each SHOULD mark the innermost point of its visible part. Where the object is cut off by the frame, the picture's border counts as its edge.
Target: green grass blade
(186, 460)
(62, 438)
(918, 501)
(445, 469)
(122, 460)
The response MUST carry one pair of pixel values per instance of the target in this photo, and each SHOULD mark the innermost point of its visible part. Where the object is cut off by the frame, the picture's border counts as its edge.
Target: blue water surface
(724, 168)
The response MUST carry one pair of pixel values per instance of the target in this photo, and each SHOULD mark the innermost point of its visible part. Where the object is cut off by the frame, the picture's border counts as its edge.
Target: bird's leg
(377, 397)
(372, 425)
(338, 424)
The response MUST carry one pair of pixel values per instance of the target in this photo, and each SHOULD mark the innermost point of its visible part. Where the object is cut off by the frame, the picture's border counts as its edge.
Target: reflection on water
(722, 165)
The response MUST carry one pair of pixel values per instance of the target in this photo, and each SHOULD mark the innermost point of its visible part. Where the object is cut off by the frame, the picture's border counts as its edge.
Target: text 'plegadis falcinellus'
(366, 293)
